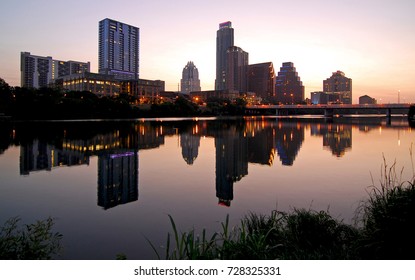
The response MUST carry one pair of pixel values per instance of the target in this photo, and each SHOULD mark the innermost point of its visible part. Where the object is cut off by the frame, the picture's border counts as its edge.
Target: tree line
(22, 103)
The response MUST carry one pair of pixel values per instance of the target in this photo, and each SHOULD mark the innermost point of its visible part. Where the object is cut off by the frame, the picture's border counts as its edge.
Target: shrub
(33, 242)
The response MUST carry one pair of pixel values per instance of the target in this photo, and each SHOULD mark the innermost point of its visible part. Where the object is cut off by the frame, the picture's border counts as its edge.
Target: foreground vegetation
(29, 242)
(383, 230)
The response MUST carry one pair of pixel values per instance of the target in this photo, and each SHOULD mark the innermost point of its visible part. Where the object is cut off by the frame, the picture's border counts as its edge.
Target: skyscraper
(261, 80)
(119, 49)
(190, 78)
(339, 85)
(224, 40)
(289, 89)
(236, 69)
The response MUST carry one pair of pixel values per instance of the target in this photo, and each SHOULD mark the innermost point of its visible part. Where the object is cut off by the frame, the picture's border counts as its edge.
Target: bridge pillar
(328, 113)
(277, 112)
(411, 116)
(388, 116)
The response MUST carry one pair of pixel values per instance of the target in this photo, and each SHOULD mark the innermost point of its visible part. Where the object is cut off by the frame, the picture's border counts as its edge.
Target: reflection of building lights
(126, 154)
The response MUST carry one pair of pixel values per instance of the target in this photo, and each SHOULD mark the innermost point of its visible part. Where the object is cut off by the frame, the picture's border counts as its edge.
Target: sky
(371, 41)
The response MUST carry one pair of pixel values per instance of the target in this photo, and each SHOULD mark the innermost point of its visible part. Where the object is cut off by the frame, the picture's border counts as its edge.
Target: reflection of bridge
(330, 109)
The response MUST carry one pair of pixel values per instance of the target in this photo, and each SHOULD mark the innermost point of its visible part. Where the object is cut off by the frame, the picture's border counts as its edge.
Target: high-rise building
(36, 71)
(288, 88)
(339, 84)
(63, 68)
(224, 40)
(236, 69)
(39, 71)
(261, 80)
(118, 49)
(190, 78)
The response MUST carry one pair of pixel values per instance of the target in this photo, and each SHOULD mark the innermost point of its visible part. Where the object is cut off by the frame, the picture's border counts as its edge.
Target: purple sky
(373, 42)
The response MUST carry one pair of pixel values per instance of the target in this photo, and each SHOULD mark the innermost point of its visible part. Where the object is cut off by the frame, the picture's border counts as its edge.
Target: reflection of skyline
(237, 143)
(231, 161)
(38, 156)
(117, 178)
(336, 137)
(289, 138)
(190, 146)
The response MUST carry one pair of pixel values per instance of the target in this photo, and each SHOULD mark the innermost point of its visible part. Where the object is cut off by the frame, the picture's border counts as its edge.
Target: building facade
(339, 84)
(237, 69)
(318, 97)
(288, 87)
(146, 91)
(118, 49)
(190, 78)
(261, 80)
(224, 40)
(366, 99)
(100, 84)
(40, 71)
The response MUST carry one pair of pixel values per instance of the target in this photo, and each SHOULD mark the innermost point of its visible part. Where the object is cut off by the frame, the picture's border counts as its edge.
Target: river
(110, 185)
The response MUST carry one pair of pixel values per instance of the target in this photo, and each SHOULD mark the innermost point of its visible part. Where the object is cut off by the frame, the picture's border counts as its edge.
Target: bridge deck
(334, 106)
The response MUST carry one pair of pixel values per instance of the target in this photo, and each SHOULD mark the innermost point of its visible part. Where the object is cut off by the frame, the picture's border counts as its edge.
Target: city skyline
(370, 42)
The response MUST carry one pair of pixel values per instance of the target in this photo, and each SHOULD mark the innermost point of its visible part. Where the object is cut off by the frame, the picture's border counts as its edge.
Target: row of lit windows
(75, 82)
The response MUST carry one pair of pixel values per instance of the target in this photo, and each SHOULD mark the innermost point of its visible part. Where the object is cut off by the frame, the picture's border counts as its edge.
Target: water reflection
(117, 178)
(337, 138)
(45, 146)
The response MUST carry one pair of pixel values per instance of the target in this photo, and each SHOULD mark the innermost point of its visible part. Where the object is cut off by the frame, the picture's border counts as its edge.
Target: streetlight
(399, 97)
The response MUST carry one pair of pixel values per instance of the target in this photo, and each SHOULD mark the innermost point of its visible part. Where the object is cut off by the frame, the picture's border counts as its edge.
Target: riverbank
(383, 231)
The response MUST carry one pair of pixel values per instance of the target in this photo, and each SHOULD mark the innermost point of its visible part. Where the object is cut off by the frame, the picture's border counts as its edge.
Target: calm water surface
(109, 185)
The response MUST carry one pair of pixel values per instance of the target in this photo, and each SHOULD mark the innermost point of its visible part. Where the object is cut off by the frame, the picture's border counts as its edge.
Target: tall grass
(388, 217)
(384, 229)
(303, 234)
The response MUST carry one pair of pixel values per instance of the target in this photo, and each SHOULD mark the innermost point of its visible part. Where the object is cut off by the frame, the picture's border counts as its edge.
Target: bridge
(330, 110)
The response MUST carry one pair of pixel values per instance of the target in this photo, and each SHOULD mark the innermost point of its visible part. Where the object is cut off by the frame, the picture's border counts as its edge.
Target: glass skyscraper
(119, 49)
(261, 80)
(236, 71)
(190, 78)
(224, 40)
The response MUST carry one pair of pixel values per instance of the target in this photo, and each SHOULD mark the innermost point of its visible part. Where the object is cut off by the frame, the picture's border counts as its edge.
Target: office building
(146, 91)
(224, 40)
(236, 69)
(366, 99)
(118, 49)
(190, 78)
(338, 84)
(261, 80)
(318, 97)
(40, 71)
(64, 68)
(288, 87)
(100, 84)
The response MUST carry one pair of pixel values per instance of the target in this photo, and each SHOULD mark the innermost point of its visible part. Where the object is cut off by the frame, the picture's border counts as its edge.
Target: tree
(6, 97)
